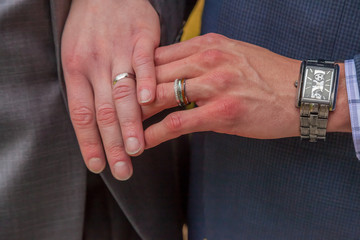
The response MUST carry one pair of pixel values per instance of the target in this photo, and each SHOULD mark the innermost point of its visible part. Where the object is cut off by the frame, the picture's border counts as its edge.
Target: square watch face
(318, 83)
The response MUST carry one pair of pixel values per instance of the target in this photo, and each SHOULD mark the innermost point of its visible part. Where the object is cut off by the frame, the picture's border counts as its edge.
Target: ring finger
(196, 90)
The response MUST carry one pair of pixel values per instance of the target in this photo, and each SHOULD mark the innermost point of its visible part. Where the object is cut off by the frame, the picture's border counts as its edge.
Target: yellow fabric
(193, 25)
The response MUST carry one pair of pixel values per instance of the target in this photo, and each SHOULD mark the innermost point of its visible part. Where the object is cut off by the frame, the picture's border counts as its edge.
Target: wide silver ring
(122, 76)
(180, 93)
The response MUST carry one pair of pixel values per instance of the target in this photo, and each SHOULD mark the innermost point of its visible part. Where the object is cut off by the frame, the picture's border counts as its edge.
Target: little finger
(82, 113)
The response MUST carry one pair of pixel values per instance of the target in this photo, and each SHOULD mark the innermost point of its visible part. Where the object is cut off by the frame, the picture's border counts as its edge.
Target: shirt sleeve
(357, 68)
(352, 87)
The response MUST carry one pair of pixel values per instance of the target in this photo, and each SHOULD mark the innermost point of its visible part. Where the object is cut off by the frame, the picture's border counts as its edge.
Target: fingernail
(132, 146)
(96, 165)
(145, 96)
(122, 171)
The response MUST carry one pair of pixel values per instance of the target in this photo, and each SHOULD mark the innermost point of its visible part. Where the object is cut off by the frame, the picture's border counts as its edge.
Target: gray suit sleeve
(173, 14)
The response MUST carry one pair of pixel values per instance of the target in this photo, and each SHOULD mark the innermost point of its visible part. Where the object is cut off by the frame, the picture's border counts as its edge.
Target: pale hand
(103, 38)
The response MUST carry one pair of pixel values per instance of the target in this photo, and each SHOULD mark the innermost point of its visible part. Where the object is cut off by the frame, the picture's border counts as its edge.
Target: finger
(164, 100)
(110, 131)
(177, 124)
(177, 51)
(129, 115)
(187, 48)
(82, 113)
(195, 90)
(200, 63)
(188, 67)
(144, 67)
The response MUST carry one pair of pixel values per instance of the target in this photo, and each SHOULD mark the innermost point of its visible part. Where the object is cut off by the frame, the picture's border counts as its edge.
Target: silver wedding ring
(122, 76)
(180, 94)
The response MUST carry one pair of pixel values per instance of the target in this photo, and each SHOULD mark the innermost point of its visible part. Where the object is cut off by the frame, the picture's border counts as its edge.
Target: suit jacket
(42, 175)
(244, 188)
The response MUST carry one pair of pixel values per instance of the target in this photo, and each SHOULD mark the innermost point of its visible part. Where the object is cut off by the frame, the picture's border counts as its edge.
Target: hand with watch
(245, 90)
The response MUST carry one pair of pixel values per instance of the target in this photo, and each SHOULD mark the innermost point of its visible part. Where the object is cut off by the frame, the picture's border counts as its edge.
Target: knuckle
(106, 115)
(90, 147)
(95, 55)
(122, 91)
(173, 122)
(146, 80)
(72, 62)
(161, 94)
(211, 57)
(158, 54)
(78, 58)
(222, 79)
(150, 135)
(212, 38)
(129, 127)
(142, 58)
(115, 151)
(227, 109)
(82, 116)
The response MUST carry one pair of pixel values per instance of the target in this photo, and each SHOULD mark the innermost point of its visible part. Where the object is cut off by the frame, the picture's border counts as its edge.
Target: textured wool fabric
(285, 188)
(44, 190)
(42, 177)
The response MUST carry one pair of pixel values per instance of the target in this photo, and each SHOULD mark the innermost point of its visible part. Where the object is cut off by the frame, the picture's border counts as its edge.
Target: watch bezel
(333, 94)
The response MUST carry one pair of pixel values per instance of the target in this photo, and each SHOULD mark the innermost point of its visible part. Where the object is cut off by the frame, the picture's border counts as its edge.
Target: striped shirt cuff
(354, 102)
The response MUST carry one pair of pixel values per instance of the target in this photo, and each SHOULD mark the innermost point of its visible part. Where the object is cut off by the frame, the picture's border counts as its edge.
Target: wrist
(339, 120)
(322, 99)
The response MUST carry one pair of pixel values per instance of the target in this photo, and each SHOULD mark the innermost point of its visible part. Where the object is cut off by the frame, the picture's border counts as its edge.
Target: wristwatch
(317, 89)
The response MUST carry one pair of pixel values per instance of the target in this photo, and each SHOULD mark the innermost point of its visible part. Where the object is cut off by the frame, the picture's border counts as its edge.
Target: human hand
(239, 89)
(101, 39)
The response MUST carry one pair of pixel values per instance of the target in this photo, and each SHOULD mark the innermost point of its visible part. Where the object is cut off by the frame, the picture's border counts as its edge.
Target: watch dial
(317, 83)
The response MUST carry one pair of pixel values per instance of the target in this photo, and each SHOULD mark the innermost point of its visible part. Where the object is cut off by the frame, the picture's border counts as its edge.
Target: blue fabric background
(286, 188)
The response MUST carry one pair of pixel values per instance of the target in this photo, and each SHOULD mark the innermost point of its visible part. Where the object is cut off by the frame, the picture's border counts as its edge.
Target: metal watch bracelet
(313, 121)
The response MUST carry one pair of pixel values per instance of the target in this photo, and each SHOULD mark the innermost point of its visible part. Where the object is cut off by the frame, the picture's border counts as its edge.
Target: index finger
(144, 67)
